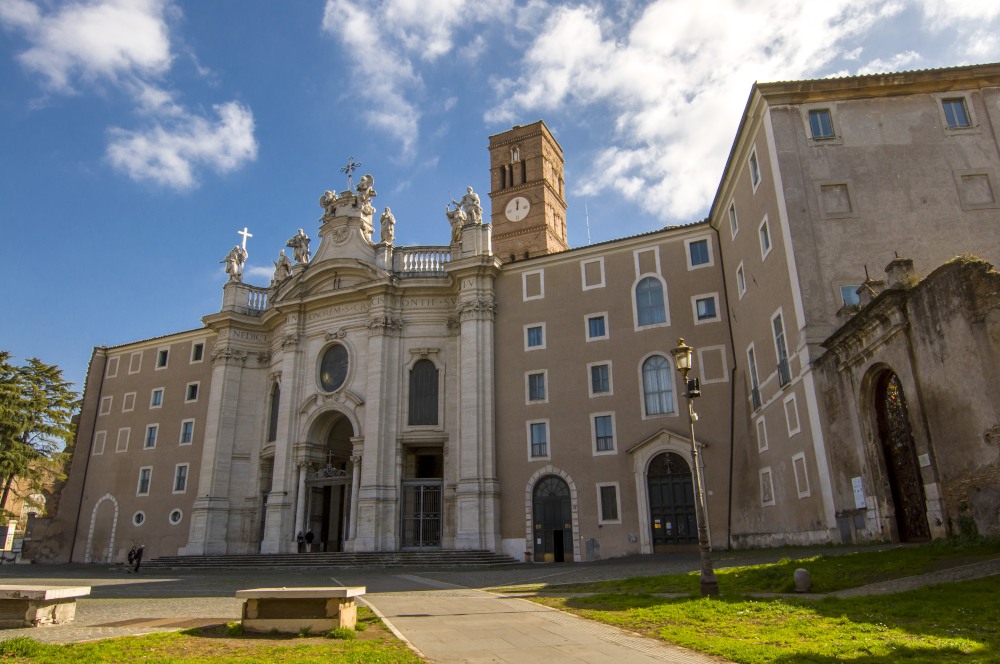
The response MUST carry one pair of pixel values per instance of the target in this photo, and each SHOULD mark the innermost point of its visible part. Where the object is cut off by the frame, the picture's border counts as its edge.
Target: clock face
(517, 208)
(333, 368)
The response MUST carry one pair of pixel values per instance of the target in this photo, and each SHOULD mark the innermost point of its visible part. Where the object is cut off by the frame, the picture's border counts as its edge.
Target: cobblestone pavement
(158, 600)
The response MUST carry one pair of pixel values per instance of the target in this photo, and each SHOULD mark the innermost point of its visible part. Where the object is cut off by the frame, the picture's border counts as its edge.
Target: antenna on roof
(586, 216)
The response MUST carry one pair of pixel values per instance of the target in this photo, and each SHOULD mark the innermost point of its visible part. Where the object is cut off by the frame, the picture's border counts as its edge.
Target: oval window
(333, 368)
(139, 518)
(175, 517)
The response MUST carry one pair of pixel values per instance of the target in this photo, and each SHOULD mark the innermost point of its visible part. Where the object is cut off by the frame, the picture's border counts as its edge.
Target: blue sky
(138, 136)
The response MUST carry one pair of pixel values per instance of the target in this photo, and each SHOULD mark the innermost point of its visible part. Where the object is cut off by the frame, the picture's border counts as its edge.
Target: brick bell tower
(527, 193)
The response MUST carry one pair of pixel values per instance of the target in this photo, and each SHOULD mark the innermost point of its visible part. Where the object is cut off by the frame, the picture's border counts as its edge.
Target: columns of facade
(210, 511)
(352, 526)
(300, 500)
(477, 495)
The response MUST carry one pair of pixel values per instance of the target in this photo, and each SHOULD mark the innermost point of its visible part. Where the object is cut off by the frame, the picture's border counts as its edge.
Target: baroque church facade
(504, 392)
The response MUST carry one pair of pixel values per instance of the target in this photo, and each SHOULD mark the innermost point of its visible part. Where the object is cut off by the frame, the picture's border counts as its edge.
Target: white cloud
(168, 155)
(671, 76)
(390, 39)
(127, 43)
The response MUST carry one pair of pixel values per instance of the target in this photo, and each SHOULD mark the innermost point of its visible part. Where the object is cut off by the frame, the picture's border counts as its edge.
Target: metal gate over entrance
(328, 490)
(672, 514)
(553, 520)
(900, 456)
(420, 507)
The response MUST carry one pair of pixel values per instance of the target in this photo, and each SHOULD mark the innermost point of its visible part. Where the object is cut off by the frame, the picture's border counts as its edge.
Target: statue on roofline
(387, 224)
(234, 262)
(471, 206)
(457, 219)
(282, 267)
(300, 247)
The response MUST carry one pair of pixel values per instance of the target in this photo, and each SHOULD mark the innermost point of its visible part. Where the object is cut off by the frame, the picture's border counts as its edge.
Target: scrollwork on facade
(338, 334)
(328, 472)
(340, 235)
(384, 325)
(228, 354)
(481, 309)
(263, 357)
(289, 340)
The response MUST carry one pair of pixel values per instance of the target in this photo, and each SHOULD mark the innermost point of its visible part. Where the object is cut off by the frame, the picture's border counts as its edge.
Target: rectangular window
(754, 170)
(128, 402)
(539, 434)
(135, 362)
(123, 435)
(151, 436)
(536, 387)
(187, 432)
(781, 350)
(766, 487)
(145, 475)
(705, 308)
(956, 113)
(180, 478)
(765, 239)
(597, 327)
(534, 336)
(156, 398)
(592, 273)
(604, 433)
(792, 415)
(754, 383)
(734, 224)
(607, 494)
(600, 379)
(821, 124)
(698, 253)
(99, 439)
(741, 281)
(801, 475)
(197, 352)
(105, 405)
(112, 367)
(191, 394)
(761, 435)
(533, 285)
(161, 358)
(849, 295)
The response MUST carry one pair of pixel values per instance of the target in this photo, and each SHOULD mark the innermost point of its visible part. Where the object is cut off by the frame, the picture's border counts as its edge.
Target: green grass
(953, 622)
(221, 644)
(829, 572)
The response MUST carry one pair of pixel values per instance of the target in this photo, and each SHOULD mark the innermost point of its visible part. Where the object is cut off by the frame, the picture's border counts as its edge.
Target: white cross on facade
(245, 233)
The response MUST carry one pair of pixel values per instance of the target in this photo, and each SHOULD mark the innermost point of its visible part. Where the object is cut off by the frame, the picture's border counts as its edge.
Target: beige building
(507, 393)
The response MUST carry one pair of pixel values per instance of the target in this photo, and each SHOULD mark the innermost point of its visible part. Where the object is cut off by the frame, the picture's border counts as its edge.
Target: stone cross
(245, 233)
(349, 169)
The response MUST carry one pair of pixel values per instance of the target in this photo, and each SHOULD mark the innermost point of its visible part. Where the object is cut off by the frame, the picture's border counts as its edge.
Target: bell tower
(527, 193)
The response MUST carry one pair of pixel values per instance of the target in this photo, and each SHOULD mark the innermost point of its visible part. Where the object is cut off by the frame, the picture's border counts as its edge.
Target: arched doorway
(672, 514)
(553, 520)
(328, 490)
(900, 457)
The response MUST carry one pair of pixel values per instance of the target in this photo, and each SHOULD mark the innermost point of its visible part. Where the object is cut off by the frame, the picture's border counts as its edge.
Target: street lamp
(692, 390)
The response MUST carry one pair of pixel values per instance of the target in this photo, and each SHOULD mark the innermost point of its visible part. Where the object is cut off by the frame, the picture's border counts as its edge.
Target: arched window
(649, 302)
(657, 386)
(423, 393)
(272, 424)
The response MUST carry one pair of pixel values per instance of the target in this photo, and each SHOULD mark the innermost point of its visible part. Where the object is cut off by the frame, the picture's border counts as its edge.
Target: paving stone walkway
(441, 613)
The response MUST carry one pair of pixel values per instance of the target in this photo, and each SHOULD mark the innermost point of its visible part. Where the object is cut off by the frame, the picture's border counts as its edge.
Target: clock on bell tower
(527, 193)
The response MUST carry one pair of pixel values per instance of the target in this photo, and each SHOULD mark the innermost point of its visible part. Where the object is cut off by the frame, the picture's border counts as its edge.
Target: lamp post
(692, 390)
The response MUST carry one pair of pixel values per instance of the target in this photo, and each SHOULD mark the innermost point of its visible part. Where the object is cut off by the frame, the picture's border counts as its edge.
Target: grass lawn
(374, 644)
(956, 622)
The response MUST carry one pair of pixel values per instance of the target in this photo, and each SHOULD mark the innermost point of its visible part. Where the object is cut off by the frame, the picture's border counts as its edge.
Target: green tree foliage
(36, 412)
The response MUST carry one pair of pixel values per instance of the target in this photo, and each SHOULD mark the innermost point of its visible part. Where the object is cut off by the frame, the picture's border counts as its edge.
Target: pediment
(331, 276)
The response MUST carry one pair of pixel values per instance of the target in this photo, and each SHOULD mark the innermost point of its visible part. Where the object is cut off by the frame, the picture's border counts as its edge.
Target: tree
(36, 413)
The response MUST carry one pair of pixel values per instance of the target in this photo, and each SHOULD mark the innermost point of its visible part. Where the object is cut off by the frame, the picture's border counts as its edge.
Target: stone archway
(103, 527)
(328, 488)
(552, 511)
(899, 458)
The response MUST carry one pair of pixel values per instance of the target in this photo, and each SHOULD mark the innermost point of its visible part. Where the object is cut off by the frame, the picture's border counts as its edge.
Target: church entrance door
(900, 456)
(329, 491)
(420, 509)
(671, 501)
(553, 520)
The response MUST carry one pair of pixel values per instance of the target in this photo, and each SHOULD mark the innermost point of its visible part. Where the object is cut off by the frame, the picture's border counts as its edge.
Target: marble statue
(366, 192)
(387, 223)
(327, 201)
(234, 263)
(300, 246)
(457, 219)
(282, 267)
(471, 206)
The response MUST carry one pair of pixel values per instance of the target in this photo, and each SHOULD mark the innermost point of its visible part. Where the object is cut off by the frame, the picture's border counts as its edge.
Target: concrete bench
(31, 606)
(293, 609)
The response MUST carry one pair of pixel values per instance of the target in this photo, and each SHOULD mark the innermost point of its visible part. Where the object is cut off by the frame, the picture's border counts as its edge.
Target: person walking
(301, 539)
(137, 559)
(309, 539)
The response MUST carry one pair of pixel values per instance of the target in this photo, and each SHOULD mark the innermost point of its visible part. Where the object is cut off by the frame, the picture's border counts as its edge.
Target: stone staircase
(362, 560)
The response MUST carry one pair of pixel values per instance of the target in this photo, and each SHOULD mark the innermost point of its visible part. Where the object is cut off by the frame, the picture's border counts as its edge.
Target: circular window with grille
(175, 517)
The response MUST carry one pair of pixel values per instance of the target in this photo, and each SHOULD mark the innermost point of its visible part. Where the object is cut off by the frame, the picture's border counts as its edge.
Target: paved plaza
(441, 613)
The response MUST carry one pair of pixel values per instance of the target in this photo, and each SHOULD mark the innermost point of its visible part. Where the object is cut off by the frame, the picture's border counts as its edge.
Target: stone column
(300, 502)
(352, 527)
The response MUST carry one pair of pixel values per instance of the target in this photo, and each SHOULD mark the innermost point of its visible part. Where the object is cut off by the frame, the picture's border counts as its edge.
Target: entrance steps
(360, 560)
